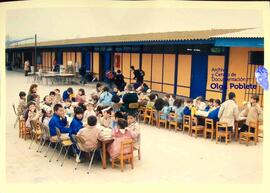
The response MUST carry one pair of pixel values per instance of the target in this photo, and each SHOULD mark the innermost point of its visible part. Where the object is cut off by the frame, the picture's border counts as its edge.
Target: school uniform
(58, 122)
(180, 112)
(165, 110)
(214, 115)
(130, 97)
(228, 113)
(75, 126)
(65, 95)
(105, 99)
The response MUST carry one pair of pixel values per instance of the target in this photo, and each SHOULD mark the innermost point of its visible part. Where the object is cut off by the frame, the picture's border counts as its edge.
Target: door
(198, 75)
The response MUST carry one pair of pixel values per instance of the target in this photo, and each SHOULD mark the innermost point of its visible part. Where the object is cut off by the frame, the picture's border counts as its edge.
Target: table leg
(104, 159)
(236, 130)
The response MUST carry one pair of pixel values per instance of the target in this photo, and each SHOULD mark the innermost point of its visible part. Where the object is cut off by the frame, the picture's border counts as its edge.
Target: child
(119, 135)
(76, 123)
(58, 98)
(252, 112)
(47, 102)
(81, 97)
(31, 114)
(105, 120)
(165, 110)
(46, 117)
(115, 116)
(105, 98)
(89, 111)
(199, 103)
(116, 103)
(171, 100)
(210, 105)
(90, 134)
(22, 107)
(188, 106)
(68, 107)
(68, 94)
(151, 103)
(133, 127)
(214, 113)
(179, 109)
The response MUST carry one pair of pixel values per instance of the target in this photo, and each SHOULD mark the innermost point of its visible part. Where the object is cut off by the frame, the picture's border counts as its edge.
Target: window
(256, 57)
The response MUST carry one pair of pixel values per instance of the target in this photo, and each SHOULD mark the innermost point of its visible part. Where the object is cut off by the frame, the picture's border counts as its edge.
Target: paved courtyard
(167, 157)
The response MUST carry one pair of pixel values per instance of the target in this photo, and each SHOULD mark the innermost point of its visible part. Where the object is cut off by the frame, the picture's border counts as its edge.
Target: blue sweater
(75, 126)
(65, 95)
(179, 111)
(57, 122)
(105, 99)
(187, 111)
(214, 115)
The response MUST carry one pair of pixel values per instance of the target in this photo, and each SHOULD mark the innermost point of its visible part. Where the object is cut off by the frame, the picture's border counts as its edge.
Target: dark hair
(82, 91)
(218, 101)
(132, 115)
(167, 95)
(45, 97)
(129, 87)
(92, 120)
(32, 87)
(78, 110)
(190, 100)
(178, 103)
(211, 100)
(231, 95)
(119, 115)
(118, 71)
(200, 98)
(159, 103)
(106, 88)
(255, 97)
(152, 97)
(132, 67)
(70, 90)
(57, 89)
(22, 94)
(166, 103)
(122, 123)
(52, 93)
(81, 105)
(30, 103)
(98, 85)
(57, 107)
(115, 99)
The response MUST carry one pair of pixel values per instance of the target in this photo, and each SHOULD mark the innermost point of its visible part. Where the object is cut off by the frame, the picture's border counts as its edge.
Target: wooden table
(104, 152)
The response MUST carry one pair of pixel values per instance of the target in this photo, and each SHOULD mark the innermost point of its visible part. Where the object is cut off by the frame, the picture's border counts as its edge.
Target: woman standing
(26, 67)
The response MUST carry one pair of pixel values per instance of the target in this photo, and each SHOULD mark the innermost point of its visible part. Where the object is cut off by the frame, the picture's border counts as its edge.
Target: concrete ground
(167, 157)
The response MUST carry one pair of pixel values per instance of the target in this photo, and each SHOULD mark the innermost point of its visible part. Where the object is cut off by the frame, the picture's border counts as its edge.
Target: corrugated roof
(162, 36)
(247, 33)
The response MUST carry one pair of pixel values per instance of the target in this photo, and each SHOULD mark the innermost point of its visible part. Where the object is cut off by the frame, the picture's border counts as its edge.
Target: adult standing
(82, 72)
(138, 75)
(26, 67)
(228, 111)
(119, 80)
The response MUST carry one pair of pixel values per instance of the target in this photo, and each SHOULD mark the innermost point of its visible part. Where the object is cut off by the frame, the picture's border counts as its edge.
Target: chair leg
(139, 153)
(16, 121)
(90, 164)
(47, 149)
(39, 145)
(32, 139)
(132, 164)
(112, 163)
(76, 165)
(122, 165)
(53, 152)
(42, 146)
(59, 153)
(65, 156)
(217, 139)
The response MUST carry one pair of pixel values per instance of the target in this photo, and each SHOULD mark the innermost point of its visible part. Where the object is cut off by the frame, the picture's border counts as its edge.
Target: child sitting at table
(116, 103)
(58, 98)
(47, 102)
(120, 134)
(89, 111)
(46, 116)
(22, 106)
(199, 103)
(31, 114)
(188, 107)
(105, 98)
(210, 105)
(68, 94)
(165, 110)
(214, 113)
(105, 119)
(134, 128)
(151, 103)
(90, 134)
(76, 123)
(68, 108)
(252, 112)
(81, 97)
(114, 117)
(179, 109)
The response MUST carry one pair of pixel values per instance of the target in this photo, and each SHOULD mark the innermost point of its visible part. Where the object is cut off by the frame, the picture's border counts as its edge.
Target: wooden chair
(147, 115)
(161, 121)
(155, 117)
(134, 107)
(139, 148)
(195, 127)
(260, 130)
(126, 153)
(141, 113)
(248, 135)
(172, 121)
(35, 131)
(219, 134)
(187, 123)
(209, 128)
(23, 130)
(17, 117)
